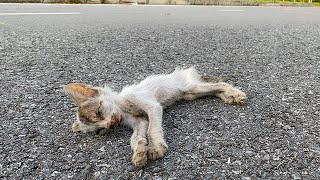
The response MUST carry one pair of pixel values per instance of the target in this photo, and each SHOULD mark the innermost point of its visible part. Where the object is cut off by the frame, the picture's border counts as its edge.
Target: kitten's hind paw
(233, 96)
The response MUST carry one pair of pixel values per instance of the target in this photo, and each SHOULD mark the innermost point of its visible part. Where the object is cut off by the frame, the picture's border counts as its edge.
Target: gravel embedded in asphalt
(273, 54)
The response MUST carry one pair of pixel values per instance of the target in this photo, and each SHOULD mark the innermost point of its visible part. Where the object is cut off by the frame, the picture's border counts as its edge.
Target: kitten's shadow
(117, 132)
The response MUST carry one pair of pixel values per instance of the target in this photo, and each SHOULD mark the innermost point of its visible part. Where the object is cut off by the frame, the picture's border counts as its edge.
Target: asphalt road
(272, 53)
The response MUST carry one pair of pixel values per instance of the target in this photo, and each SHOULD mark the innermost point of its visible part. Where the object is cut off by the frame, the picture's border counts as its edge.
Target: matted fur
(140, 106)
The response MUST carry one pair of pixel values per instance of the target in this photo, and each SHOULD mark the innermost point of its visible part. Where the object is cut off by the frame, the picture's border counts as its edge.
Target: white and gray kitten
(141, 106)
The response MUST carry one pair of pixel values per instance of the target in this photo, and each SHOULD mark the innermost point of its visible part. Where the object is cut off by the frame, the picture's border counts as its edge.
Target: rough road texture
(273, 54)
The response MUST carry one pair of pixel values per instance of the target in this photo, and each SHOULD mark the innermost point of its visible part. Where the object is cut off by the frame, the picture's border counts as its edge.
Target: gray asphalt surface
(272, 53)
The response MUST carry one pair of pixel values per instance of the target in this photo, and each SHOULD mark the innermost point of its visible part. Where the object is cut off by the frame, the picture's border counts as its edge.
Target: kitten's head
(96, 107)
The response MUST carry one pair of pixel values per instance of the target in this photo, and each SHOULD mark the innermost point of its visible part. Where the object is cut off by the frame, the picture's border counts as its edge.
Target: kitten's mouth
(110, 123)
(115, 120)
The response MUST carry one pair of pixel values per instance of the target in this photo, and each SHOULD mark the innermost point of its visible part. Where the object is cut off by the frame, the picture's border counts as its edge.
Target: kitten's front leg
(157, 144)
(138, 139)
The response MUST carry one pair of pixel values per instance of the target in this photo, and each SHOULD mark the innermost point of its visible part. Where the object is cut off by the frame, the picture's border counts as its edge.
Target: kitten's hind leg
(202, 89)
(215, 86)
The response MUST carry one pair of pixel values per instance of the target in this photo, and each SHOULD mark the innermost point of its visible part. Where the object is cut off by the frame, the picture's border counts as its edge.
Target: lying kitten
(140, 106)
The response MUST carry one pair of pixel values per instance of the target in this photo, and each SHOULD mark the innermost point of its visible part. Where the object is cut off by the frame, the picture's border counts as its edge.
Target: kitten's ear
(80, 92)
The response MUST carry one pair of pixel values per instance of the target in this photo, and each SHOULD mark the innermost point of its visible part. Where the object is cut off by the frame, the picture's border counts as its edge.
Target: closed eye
(99, 114)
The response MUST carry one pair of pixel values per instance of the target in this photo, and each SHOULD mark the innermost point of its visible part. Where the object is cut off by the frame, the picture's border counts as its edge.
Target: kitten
(140, 106)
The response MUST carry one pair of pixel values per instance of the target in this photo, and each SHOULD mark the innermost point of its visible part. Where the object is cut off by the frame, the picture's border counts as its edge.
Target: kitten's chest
(131, 108)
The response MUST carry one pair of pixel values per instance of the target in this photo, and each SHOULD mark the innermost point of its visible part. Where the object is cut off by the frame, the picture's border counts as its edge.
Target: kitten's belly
(168, 95)
(166, 101)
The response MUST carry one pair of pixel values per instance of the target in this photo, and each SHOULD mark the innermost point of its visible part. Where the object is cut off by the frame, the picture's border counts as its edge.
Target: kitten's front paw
(139, 157)
(233, 96)
(157, 151)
